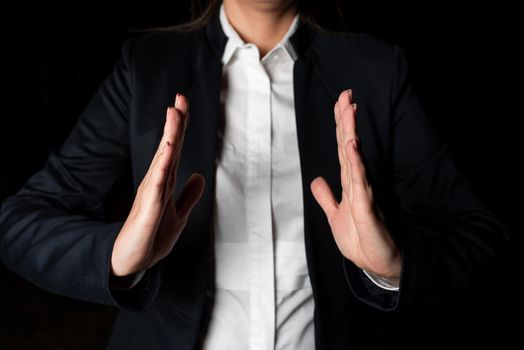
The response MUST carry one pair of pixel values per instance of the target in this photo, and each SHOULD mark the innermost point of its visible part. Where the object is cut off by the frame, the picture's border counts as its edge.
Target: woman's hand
(359, 232)
(155, 220)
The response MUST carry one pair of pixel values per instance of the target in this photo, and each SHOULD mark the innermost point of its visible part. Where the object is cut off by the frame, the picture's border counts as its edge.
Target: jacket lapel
(189, 265)
(318, 157)
(334, 62)
(320, 74)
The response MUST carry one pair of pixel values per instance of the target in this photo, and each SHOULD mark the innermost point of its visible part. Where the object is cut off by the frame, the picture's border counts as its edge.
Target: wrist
(125, 282)
(382, 282)
(394, 265)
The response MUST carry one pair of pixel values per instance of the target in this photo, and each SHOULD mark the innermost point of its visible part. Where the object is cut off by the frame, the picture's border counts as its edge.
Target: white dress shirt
(263, 297)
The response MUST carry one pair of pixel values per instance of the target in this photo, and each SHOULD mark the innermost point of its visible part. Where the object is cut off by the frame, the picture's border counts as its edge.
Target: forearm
(438, 262)
(66, 254)
(63, 253)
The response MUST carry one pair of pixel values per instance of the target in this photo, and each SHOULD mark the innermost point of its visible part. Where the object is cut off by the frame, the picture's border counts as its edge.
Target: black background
(463, 63)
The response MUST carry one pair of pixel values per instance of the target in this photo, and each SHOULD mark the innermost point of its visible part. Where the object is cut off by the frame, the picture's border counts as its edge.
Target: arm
(51, 231)
(444, 238)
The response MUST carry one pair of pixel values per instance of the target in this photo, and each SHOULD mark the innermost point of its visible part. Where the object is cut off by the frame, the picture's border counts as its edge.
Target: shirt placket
(260, 235)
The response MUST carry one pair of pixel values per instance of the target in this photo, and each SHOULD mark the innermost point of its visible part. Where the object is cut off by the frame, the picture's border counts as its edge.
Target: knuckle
(163, 169)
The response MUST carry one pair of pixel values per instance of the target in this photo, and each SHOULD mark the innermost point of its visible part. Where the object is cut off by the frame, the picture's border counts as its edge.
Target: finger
(157, 173)
(190, 194)
(338, 130)
(169, 184)
(324, 196)
(182, 108)
(160, 171)
(344, 163)
(347, 121)
(345, 180)
(341, 103)
(174, 130)
(344, 167)
(359, 182)
(171, 179)
(159, 149)
(346, 126)
(173, 124)
(340, 139)
(182, 104)
(345, 98)
(336, 112)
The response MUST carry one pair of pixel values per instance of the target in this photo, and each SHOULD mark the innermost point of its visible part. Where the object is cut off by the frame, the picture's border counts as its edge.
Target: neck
(262, 23)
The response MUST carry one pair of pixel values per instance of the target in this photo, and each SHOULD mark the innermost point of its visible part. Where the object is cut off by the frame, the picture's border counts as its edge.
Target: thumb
(190, 194)
(324, 196)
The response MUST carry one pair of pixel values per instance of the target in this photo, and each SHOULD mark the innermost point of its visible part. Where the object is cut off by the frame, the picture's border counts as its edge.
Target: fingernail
(167, 113)
(350, 94)
(355, 106)
(176, 100)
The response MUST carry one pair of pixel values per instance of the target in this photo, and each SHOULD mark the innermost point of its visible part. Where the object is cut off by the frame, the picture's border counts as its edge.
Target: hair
(317, 13)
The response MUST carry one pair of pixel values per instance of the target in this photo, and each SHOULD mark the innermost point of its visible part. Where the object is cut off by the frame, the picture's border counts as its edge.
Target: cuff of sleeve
(143, 291)
(125, 282)
(367, 291)
(142, 294)
(383, 282)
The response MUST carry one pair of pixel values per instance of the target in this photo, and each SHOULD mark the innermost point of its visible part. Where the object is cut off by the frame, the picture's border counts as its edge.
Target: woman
(269, 258)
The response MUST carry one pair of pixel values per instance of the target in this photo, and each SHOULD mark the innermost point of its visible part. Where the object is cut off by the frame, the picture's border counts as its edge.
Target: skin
(261, 22)
(359, 231)
(156, 221)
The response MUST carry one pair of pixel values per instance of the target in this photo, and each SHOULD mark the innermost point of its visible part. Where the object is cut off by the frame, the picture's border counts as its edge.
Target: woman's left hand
(357, 227)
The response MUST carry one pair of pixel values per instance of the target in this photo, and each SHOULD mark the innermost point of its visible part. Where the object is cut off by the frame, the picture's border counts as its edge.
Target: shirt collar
(235, 41)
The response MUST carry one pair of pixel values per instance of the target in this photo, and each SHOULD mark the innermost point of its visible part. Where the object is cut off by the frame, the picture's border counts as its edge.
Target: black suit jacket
(53, 232)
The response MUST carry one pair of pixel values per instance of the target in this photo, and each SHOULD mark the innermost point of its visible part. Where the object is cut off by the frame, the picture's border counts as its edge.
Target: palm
(155, 221)
(169, 230)
(359, 232)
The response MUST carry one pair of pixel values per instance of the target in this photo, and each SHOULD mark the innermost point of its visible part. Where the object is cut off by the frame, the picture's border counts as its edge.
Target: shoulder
(164, 45)
(164, 38)
(359, 48)
(356, 59)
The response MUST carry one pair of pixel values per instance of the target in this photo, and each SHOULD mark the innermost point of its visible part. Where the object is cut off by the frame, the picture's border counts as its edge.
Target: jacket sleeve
(449, 241)
(51, 231)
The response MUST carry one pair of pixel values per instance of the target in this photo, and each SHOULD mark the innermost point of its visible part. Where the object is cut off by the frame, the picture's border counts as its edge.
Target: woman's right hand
(155, 220)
